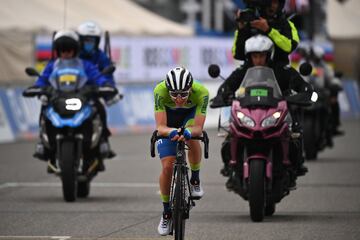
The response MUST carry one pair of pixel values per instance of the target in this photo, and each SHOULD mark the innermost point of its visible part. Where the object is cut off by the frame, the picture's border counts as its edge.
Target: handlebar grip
(32, 92)
(152, 143)
(206, 145)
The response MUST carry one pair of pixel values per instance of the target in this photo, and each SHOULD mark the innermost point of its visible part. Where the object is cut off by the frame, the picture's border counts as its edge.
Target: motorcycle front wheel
(68, 170)
(257, 190)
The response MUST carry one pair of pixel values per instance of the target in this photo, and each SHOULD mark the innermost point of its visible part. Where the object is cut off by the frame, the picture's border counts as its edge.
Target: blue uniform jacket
(91, 71)
(101, 60)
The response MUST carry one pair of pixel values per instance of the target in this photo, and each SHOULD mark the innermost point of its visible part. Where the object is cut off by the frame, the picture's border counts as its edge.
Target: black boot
(40, 152)
(105, 150)
(101, 165)
(302, 170)
(225, 171)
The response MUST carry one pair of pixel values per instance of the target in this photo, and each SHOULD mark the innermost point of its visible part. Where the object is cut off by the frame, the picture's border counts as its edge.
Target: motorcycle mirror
(339, 74)
(108, 70)
(32, 72)
(305, 69)
(214, 70)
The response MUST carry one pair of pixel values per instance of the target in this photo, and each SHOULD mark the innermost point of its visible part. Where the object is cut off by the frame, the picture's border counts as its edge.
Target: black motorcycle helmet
(65, 40)
(263, 5)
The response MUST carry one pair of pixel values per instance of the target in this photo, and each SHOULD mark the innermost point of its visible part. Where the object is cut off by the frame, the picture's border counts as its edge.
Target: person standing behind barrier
(179, 102)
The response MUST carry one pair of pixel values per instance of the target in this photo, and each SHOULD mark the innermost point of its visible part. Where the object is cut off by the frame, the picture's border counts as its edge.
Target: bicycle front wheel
(179, 205)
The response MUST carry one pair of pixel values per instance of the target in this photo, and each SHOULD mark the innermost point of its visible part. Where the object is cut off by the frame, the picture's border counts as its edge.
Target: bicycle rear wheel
(179, 205)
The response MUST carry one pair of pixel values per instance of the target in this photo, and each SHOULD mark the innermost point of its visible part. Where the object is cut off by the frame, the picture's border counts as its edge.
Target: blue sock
(167, 209)
(195, 176)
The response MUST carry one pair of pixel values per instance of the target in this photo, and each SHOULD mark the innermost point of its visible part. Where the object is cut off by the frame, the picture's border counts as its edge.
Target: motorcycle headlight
(314, 97)
(73, 104)
(271, 120)
(245, 120)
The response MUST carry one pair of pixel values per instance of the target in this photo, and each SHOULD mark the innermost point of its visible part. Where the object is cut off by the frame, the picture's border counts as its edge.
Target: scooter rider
(90, 35)
(66, 45)
(259, 51)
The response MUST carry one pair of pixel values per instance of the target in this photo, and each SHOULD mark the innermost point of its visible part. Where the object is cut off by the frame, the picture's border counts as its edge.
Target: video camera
(253, 10)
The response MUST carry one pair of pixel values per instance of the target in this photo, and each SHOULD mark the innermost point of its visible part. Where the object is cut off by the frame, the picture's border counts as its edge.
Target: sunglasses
(175, 94)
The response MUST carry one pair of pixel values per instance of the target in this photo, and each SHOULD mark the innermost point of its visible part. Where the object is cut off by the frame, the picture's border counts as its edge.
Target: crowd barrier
(135, 113)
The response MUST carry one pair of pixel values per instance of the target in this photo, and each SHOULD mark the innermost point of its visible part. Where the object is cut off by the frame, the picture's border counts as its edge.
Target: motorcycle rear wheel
(310, 139)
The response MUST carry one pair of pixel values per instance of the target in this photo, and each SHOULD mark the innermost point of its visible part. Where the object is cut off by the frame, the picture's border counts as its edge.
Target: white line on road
(36, 237)
(95, 184)
(69, 237)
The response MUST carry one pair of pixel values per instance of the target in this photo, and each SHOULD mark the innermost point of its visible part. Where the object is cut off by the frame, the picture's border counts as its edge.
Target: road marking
(95, 184)
(76, 238)
(36, 237)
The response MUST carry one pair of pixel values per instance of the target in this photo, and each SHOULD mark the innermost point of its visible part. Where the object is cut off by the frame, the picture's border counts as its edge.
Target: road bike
(181, 200)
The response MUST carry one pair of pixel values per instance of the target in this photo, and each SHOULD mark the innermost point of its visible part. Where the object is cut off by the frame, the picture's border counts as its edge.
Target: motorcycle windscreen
(68, 75)
(259, 88)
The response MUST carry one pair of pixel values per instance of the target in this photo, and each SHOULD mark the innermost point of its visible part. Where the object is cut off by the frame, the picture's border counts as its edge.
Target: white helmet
(66, 33)
(318, 52)
(90, 29)
(178, 79)
(66, 40)
(259, 43)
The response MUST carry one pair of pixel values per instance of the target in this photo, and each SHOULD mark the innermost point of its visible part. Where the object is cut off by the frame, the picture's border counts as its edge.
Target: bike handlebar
(204, 138)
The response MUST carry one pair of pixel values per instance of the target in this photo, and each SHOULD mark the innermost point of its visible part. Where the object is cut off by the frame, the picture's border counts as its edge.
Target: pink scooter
(260, 129)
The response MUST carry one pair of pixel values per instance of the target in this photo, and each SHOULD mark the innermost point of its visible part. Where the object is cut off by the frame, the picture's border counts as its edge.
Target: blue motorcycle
(70, 126)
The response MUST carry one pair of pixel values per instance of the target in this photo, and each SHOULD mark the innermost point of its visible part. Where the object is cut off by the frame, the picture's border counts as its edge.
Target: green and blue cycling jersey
(179, 116)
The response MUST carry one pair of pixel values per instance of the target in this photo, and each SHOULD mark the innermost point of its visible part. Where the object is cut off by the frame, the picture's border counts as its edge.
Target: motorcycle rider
(90, 36)
(66, 45)
(259, 51)
(315, 55)
(179, 102)
(271, 22)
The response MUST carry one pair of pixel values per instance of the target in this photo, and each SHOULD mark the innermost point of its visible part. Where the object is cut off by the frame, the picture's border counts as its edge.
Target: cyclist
(179, 102)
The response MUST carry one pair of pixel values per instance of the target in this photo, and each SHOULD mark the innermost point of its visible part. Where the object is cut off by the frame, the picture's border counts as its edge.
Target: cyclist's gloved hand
(187, 134)
(173, 133)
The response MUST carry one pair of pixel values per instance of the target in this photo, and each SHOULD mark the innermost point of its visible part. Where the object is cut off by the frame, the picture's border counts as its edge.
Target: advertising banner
(6, 134)
(148, 59)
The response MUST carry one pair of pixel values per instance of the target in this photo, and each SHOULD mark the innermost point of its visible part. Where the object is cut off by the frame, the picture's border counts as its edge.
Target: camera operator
(265, 17)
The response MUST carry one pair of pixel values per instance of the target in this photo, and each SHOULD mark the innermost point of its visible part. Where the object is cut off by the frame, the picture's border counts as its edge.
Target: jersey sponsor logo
(204, 106)
(158, 100)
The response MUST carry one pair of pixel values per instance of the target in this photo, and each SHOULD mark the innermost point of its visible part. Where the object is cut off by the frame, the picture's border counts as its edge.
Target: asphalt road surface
(124, 202)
